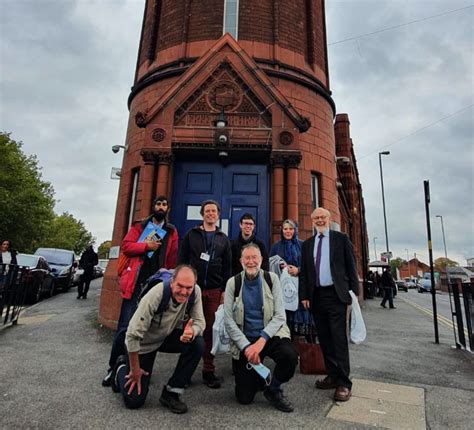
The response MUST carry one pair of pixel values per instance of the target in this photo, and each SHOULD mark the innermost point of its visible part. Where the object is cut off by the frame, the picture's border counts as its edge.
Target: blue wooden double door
(239, 188)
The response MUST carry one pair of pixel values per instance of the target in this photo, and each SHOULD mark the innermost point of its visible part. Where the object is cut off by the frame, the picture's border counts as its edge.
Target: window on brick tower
(231, 17)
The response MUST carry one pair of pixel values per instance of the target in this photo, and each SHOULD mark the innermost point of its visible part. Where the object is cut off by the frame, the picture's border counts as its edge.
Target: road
(423, 302)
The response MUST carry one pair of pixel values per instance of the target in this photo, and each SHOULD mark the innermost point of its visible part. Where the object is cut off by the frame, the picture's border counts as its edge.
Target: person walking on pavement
(328, 272)
(388, 285)
(208, 250)
(255, 321)
(246, 235)
(139, 267)
(171, 331)
(88, 260)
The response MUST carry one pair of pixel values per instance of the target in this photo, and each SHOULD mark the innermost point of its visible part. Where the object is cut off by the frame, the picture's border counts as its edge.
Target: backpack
(238, 282)
(164, 275)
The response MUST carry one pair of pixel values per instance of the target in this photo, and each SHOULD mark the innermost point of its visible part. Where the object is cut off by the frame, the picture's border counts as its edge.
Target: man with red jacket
(139, 267)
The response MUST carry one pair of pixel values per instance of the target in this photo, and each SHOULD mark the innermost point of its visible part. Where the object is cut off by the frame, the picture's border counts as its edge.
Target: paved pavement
(52, 363)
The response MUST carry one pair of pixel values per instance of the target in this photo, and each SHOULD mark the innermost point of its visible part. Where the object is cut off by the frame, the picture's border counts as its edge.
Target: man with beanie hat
(140, 266)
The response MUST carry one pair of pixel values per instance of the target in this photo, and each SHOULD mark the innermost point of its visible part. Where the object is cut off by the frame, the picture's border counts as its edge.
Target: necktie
(317, 260)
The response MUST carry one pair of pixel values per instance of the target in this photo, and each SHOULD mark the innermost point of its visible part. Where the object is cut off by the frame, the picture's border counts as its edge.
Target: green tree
(440, 264)
(104, 247)
(395, 264)
(66, 232)
(26, 200)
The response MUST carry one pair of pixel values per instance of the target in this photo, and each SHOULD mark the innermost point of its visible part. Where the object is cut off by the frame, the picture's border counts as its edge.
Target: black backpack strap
(268, 279)
(237, 284)
(165, 299)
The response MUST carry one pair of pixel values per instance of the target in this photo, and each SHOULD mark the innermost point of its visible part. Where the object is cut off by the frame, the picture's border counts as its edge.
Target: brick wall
(206, 20)
(256, 20)
(292, 26)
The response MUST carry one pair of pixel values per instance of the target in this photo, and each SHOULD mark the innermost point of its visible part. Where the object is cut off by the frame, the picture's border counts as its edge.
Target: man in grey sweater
(153, 329)
(256, 323)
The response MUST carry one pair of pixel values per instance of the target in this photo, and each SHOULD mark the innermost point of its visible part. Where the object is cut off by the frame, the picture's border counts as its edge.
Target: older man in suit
(328, 272)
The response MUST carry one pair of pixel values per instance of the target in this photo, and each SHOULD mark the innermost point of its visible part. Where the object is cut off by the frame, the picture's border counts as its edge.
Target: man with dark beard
(139, 261)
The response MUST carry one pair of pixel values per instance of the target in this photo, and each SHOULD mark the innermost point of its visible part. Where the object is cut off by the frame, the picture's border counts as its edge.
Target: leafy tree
(104, 247)
(26, 200)
(440, 264)
(66, 232)
(395, 264)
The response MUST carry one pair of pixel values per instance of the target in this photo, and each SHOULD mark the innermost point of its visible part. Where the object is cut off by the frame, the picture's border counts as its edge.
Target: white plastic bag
(220, 338)
(289, 288)
(358, 330)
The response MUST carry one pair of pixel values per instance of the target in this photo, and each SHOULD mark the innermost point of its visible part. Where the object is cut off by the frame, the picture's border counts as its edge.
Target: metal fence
(462, 307)
(12, 292)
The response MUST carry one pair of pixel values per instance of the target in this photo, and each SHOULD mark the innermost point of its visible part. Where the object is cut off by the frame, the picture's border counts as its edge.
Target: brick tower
(231, 101)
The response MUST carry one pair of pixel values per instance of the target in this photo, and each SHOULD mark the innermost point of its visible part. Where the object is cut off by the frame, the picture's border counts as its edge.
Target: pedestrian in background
(88, 260)
(388, 285)
(8, 255)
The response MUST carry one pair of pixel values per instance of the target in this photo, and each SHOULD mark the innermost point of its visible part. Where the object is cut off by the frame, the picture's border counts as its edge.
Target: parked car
(63, 265)
(411, 283)
(103, 263)
(402, 285)
(425, 285)
(98, 272)
(38, 279)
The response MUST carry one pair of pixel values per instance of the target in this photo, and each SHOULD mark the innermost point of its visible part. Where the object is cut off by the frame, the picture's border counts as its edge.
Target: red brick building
(260, 67)
(413, 268)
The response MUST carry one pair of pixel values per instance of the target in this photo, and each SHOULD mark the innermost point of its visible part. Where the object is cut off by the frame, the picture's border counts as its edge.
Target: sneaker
(107, 379)
(173, 402)
(211, 380)
(121, 362)
(278, 400)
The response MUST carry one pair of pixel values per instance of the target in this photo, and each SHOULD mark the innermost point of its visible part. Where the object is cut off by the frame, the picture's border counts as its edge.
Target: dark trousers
(84, 283)
(387, 295)
(128, 308)
(248, 382)
(330, 318)
(190, 355)
(210, 302)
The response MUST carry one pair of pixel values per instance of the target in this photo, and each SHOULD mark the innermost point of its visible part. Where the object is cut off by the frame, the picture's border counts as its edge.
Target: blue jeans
(129, 306)
(190, 355)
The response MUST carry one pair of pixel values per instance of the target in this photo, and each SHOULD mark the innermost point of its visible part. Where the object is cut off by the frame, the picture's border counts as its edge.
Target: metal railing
(462, 306)
(12, 293)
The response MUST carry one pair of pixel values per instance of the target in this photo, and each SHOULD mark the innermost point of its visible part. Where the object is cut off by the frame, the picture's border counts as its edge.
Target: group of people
(177, 315)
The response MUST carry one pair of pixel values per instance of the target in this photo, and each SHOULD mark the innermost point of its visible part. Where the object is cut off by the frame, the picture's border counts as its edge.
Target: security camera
(222, 138)
(115, 149)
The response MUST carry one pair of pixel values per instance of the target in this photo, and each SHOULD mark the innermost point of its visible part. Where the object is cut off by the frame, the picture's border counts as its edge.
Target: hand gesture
(252, 353)
(134, 379)
(188, 332)
(152, 245)
(293, 270)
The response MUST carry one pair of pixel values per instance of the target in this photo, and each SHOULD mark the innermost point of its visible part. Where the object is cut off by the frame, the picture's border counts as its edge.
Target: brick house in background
(413, 269)
(231, 101)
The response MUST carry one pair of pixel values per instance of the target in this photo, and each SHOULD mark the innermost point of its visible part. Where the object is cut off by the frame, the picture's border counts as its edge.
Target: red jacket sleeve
(171, 256)
(130, 246)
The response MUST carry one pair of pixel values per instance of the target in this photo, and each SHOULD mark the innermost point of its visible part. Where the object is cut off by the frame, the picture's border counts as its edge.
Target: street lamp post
(375, 247)
(383, 199)
(447, 278)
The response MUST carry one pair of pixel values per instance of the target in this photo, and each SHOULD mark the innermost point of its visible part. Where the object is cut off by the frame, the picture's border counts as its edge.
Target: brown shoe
(342, 394)
(325, 384)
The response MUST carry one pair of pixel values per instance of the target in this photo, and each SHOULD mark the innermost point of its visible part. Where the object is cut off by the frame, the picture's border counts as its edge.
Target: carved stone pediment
(223, 89)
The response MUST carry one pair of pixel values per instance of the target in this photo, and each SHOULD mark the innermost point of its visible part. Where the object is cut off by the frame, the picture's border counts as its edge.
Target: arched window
(231, 17)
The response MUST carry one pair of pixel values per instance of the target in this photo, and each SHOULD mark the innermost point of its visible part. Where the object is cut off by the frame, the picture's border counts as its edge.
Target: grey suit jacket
(343, 267)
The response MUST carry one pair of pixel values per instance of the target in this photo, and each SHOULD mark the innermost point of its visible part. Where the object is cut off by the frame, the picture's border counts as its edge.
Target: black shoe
(173, 402)
(78, 297)
(107, 379)
(84, 296)
(278, 400)
(382, 305)
(121, 361)
(211, 380)
(393, 307)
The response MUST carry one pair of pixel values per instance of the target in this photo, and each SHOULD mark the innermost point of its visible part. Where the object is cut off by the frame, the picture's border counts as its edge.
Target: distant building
(470, 262)
(414, 268)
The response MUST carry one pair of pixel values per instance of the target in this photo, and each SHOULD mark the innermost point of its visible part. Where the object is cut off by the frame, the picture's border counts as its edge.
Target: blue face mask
(263, 371)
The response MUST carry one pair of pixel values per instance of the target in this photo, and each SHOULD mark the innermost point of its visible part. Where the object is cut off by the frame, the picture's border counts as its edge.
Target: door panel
(238, 188)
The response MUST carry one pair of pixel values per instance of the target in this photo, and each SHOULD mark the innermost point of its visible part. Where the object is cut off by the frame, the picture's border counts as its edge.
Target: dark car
(98, 272)
(63, 265)
(402, 285)
(425, 285)
(38, 279)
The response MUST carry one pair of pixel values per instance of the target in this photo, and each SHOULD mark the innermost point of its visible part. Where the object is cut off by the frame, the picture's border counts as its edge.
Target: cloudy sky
(401, 69)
